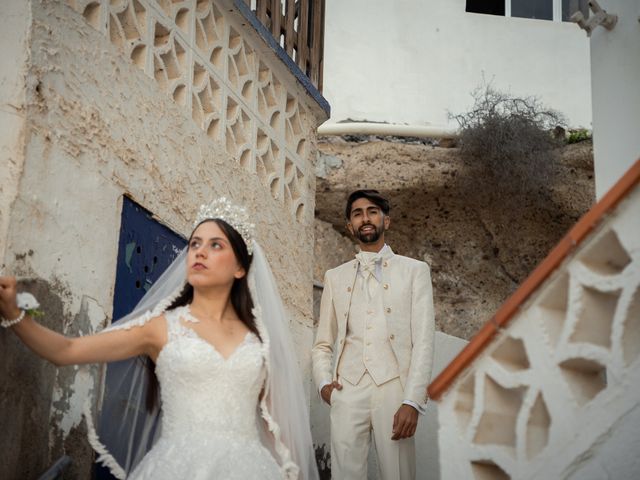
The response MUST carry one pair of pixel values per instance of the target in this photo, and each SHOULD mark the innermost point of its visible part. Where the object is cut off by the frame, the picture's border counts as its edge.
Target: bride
(231, 403)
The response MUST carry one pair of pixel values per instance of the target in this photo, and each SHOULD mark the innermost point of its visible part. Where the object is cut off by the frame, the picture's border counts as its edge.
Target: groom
(376, 328)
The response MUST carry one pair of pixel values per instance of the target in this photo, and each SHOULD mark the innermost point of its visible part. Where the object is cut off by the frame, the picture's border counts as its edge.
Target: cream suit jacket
(408, 306)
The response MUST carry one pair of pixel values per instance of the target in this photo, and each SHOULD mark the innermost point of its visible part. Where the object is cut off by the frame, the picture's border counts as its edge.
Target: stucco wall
(615, 75)
(15, 23)
(97, 127)
(413, 61)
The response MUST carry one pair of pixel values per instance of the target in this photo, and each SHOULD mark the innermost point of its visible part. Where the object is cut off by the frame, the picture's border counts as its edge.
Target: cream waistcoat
(367, 346)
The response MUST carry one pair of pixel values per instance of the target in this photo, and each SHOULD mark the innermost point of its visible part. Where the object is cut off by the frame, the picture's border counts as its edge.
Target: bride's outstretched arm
(61, 350)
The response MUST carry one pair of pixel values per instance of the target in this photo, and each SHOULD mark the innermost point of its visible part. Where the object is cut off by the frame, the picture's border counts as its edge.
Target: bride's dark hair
(240, 299)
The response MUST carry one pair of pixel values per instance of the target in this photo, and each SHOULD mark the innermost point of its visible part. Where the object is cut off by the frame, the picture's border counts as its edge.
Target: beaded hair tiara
(236, 216)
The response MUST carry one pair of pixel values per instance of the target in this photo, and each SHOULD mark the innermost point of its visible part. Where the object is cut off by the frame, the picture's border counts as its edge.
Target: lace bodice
(210, 409)
(201, 391)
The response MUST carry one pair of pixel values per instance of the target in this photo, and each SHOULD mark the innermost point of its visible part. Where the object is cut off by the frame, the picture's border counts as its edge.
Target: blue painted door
(145, 249)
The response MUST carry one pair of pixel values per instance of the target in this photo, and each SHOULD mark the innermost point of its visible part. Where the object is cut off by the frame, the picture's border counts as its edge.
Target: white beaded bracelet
(9, 323)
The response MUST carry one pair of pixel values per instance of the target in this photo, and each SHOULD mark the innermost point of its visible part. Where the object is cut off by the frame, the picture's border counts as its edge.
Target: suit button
(348, 289)
(392, 336)
(388, 310)
(386, 286)
(385, 264)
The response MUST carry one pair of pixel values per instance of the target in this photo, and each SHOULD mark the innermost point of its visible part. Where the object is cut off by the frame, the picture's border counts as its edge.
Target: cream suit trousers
(361, 412)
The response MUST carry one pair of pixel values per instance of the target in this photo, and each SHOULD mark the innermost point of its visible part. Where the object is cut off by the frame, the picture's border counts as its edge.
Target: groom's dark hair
(372, 195)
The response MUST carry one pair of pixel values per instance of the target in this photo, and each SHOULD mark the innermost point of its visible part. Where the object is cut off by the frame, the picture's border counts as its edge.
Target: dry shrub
(510, 137)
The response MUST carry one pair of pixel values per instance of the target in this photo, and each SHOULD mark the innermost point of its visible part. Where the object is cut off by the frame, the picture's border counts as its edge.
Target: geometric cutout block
(586, 378)
(537, 427)
(464, 402)
(498, 420)
(631, 332)
(300, 210)
(607, 256)
(92, 14)
(552, 307)
(487, 470)
(511, 354)
(595, 317)
(267, 159)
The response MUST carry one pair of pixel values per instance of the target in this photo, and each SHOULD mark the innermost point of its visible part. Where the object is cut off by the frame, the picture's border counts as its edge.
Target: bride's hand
(8, 291)
(61, 350)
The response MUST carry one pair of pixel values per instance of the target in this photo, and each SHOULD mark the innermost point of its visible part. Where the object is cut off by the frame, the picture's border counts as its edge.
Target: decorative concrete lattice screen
(209, 67)
(562, 375)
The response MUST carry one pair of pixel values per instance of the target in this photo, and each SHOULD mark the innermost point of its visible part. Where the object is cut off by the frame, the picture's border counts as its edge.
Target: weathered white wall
(615, 454)
(14, 32)
(163, 120)
(557, 393)
(615, 76)
(412, 61)
(427, 451)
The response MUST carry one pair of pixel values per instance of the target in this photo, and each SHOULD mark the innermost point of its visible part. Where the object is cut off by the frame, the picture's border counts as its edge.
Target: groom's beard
(371, 236)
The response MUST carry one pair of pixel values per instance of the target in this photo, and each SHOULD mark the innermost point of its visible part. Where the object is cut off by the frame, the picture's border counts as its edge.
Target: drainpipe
(387, 129)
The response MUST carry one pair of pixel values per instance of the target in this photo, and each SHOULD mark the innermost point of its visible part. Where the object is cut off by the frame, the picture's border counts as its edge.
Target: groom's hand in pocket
(327, 390)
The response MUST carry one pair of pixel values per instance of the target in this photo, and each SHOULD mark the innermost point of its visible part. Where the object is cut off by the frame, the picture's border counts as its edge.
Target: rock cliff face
(480, 238)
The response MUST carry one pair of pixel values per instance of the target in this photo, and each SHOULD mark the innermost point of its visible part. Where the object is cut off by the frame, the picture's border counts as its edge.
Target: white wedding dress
(210, 410)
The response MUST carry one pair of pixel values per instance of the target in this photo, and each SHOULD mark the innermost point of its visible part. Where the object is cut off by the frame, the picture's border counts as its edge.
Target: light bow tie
(368, 264)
